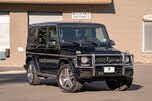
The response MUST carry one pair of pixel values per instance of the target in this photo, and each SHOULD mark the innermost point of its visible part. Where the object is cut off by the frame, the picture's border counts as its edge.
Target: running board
(46, 75)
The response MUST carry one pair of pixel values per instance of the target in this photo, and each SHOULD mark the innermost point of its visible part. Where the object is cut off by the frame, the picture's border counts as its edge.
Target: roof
(66, 23)
(59, 1)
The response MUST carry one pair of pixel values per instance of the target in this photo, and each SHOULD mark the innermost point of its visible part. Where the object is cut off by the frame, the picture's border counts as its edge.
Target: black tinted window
(42, 35)
(52, 33)
(32, 36)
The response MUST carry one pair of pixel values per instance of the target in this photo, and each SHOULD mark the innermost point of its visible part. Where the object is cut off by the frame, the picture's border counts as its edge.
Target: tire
(120, 84)
(31, 75)
(66, 80)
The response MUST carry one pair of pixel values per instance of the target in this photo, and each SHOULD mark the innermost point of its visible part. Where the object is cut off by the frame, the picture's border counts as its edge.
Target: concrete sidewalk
(12, 70)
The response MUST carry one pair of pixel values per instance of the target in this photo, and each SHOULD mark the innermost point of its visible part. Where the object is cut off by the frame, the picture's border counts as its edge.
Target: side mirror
(112, 42)
(7, 53)
(52, 43)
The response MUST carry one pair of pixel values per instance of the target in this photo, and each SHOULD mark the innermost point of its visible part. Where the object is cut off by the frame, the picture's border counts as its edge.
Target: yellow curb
(13, 72)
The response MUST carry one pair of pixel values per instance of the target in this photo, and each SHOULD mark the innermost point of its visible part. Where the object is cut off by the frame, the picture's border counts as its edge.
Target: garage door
(40, 17)
(4, 33)
(147, 39)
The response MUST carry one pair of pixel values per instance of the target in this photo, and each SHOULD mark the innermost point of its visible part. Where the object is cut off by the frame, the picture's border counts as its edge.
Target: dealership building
(129, 23)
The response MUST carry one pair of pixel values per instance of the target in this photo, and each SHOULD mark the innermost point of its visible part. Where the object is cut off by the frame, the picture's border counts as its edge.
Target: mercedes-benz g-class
(75, 53)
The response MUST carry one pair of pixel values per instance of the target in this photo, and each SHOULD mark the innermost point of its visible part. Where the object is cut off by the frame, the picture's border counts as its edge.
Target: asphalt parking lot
(13, 87)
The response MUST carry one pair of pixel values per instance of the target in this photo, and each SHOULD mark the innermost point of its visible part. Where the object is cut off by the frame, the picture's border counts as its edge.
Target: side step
(46, 75)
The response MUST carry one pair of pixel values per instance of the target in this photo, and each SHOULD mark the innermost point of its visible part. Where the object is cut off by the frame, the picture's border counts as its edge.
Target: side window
(42, 36)
(32, 37)
(52, 37)
(53, 33)
(100, 34)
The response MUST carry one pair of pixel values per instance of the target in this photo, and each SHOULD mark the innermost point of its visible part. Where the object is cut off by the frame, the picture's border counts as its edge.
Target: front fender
(72, 65)
(66, 61)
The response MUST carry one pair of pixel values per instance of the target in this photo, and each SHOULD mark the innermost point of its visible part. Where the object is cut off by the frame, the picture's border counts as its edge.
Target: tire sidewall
(34, 72)
(58, 81)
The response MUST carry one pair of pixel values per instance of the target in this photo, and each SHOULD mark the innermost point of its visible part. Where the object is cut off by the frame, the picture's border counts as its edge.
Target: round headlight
(127, 59)
(84, 60)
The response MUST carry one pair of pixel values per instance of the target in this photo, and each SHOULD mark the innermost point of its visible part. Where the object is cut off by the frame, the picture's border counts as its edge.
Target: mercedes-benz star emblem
(107, 60)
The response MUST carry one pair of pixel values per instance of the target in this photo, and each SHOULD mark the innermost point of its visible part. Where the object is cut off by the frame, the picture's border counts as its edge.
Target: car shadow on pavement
(12, 78)
(93, 86)
(135, 87)
(102, 86)
(49, 82)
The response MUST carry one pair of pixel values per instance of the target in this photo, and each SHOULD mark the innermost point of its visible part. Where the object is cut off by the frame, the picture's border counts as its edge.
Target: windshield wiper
(73, 42)
(95, 43)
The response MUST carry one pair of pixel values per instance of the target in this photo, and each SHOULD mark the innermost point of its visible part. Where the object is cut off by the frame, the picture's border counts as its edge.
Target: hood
(90, 50)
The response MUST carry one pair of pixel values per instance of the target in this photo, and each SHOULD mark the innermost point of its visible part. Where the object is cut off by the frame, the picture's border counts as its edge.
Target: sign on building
(148, 17)
(81, 15)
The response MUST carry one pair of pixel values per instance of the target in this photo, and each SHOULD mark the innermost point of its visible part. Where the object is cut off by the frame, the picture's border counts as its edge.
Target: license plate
(109, 69)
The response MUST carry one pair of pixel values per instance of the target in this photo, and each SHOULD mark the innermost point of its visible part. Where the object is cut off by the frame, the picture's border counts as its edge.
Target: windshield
(93, 34)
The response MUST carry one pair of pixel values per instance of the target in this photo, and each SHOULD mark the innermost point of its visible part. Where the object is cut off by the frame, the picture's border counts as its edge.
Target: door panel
(41, 46)
(47, 63)
(52, 59)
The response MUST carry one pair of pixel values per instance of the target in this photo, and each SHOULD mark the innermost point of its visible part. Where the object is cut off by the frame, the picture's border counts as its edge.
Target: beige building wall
(59, 1)
(18, 37)
(123, 20)
(126, 26)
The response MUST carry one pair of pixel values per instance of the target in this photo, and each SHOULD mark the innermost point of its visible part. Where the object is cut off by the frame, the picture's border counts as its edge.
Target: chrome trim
(123, 62)
(125, 54)
(108, 54)
(83, 67)
(100, 54)
(132, 60)
(33, 53)
(93, 65)
(124, 65)
(108, 64)
(129, 66)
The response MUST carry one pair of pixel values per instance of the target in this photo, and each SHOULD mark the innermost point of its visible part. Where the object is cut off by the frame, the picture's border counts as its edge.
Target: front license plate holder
(109, 69)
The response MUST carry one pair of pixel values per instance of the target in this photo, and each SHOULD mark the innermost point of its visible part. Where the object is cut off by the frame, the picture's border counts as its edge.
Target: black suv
(75, 53)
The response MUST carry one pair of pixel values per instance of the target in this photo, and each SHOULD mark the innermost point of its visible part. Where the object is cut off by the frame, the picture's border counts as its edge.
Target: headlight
(127, 59)
(84, 60)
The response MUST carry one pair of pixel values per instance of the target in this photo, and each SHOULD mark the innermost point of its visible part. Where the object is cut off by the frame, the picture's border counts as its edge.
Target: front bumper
(88, 73)
(97, 70)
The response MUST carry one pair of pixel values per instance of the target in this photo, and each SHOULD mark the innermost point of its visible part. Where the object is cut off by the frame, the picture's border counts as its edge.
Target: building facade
(128, 23)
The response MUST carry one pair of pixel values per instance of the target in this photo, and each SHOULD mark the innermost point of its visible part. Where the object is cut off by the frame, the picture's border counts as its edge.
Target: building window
(4, 34)
(40, 17)
(147, 36)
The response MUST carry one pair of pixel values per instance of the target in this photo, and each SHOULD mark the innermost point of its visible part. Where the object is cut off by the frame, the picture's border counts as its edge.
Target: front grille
(108, 59)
